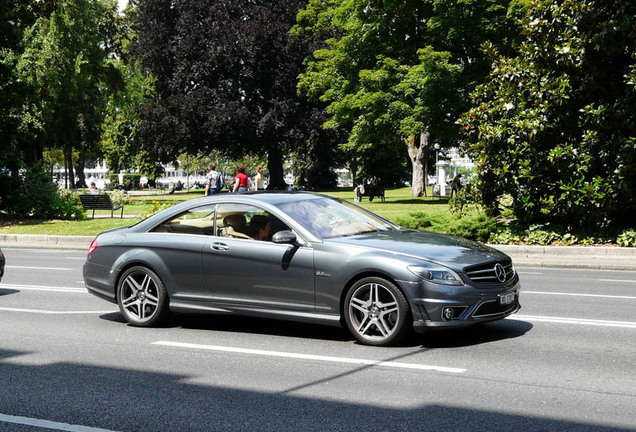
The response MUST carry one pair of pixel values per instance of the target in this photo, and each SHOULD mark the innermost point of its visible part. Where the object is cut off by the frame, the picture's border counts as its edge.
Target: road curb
(574, 257)
(29, 241)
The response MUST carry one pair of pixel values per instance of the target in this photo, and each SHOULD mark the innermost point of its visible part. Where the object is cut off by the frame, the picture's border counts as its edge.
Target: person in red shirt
(241, 183)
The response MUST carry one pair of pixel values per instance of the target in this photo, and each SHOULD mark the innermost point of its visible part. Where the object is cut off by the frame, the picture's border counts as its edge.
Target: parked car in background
(2, 261)
(299, 256)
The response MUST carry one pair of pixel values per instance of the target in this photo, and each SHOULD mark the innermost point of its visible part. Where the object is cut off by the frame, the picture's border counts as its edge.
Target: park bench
(370, 190)
(100, 202)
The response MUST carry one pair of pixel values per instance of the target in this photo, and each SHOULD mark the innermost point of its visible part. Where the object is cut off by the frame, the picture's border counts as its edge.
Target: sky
(122, 4)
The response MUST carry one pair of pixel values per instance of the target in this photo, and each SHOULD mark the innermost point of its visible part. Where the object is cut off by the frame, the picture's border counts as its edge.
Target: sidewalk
(581, 257)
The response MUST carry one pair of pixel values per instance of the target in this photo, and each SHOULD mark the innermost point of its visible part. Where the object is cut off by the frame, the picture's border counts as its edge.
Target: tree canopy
(56, 75)
(225, 79)
(400, 73)
(554, 128)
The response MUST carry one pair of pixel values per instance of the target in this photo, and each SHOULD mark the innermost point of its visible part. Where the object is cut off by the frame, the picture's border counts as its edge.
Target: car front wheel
(142, 297)
(376, 312)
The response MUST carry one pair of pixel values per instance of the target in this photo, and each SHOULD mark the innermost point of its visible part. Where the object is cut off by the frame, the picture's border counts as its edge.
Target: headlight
(436, 273)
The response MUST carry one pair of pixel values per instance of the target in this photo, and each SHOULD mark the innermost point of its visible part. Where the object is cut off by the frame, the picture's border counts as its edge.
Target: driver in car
(260, 227)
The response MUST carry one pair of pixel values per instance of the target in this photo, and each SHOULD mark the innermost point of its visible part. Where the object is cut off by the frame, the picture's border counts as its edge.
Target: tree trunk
(79, 169)
(275, 168)
(70, 176)
(353, 166)
(418, 148)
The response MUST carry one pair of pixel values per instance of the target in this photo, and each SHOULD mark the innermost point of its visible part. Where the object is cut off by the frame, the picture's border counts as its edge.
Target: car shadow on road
(475, 335)
(5, 291)
(264, 326)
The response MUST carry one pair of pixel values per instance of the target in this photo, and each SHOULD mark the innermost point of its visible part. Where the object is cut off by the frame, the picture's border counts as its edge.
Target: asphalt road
(565, 362)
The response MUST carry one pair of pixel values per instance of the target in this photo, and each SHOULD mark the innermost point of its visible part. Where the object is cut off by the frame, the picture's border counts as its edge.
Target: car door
(178, 243)
(245, 272)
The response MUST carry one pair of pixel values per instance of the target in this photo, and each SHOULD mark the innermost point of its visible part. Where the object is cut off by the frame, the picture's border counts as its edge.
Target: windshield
(333, 217)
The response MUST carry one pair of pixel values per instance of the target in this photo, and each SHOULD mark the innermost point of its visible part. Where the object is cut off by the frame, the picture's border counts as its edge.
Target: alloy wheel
(141, 297)
(376, 312)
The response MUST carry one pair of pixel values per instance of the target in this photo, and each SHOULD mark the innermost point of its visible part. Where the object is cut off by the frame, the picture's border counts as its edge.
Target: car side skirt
(221, 309)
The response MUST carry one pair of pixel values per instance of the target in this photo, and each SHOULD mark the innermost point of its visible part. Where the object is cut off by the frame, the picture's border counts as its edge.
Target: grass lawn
(398, 204)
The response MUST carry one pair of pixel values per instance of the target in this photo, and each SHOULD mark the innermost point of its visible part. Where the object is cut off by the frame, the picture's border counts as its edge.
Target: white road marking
(50, 312)
(580, 295)
(47, 424)
(577, 321)
(617, 280)
(528, 273)
(39, 268)
(312, 357)
(44, 288)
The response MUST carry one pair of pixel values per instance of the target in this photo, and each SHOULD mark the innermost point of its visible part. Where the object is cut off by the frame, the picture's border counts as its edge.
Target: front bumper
(469, 305)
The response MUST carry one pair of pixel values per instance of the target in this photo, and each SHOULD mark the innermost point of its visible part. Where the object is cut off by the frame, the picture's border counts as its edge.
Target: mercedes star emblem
(500, 272)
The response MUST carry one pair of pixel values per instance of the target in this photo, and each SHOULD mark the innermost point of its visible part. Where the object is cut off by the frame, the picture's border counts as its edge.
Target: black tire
(376, 312)
(142, 297)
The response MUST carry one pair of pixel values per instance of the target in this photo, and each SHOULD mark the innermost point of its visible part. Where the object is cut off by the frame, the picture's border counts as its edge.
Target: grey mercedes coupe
(299, 256)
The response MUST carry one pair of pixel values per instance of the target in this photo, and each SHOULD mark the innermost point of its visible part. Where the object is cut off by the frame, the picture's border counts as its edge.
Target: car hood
(454, 252)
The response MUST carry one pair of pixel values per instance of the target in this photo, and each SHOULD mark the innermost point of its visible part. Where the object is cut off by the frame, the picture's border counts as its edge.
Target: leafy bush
(477, 227)
(32, 194)
(68, 206)
(505, 237)
(474, 228)
(119, 197)
(627, 238)
(546, 234)
(155, 207)
(417, 220)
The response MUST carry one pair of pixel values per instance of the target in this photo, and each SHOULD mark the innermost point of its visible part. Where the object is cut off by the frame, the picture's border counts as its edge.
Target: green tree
(121, 142)
(554, 128)
(225, 79)
(62, 65)
(15, 19)
(398, 73)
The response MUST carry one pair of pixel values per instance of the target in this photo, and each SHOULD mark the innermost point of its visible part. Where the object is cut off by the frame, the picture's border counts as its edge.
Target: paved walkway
(583, 257)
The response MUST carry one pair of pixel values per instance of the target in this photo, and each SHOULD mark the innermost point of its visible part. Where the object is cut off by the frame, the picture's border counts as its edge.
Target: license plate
(505, 299)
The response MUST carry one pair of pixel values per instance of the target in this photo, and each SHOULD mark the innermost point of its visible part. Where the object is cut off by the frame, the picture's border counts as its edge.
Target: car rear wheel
(376, 312)
(142, 297)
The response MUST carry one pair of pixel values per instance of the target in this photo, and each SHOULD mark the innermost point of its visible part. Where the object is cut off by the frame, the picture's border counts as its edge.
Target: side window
(247, 222)
(199, 220)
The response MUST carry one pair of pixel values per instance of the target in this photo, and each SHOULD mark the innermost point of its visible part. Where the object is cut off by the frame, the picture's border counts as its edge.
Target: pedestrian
(214, 182)
(241, 182)
(259, 179)
(456, 184)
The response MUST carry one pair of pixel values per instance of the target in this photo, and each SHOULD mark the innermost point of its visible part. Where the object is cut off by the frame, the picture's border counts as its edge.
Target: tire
(376, 312)
(142, 297)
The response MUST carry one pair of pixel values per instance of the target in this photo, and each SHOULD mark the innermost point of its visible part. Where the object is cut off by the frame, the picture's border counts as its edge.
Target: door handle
(220, 246)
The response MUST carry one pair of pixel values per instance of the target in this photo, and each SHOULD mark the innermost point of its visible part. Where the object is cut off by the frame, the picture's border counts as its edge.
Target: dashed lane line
(618, 280)
(39, 268)
(580, 295)
(299, 356)
(47, 424)
(44, 288)
(574, 321)
(52, 312)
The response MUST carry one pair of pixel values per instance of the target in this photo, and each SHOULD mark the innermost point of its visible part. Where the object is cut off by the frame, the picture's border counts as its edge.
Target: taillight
(93, 247)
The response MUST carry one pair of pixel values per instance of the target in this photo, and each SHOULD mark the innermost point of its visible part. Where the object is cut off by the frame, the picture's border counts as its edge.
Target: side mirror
(284, 237)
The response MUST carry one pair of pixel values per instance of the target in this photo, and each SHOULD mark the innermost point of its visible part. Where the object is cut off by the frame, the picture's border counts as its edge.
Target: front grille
(493, 308)
(486, 274)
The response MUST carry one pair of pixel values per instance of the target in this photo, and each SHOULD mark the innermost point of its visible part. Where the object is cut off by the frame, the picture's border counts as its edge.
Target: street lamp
(436, 147)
